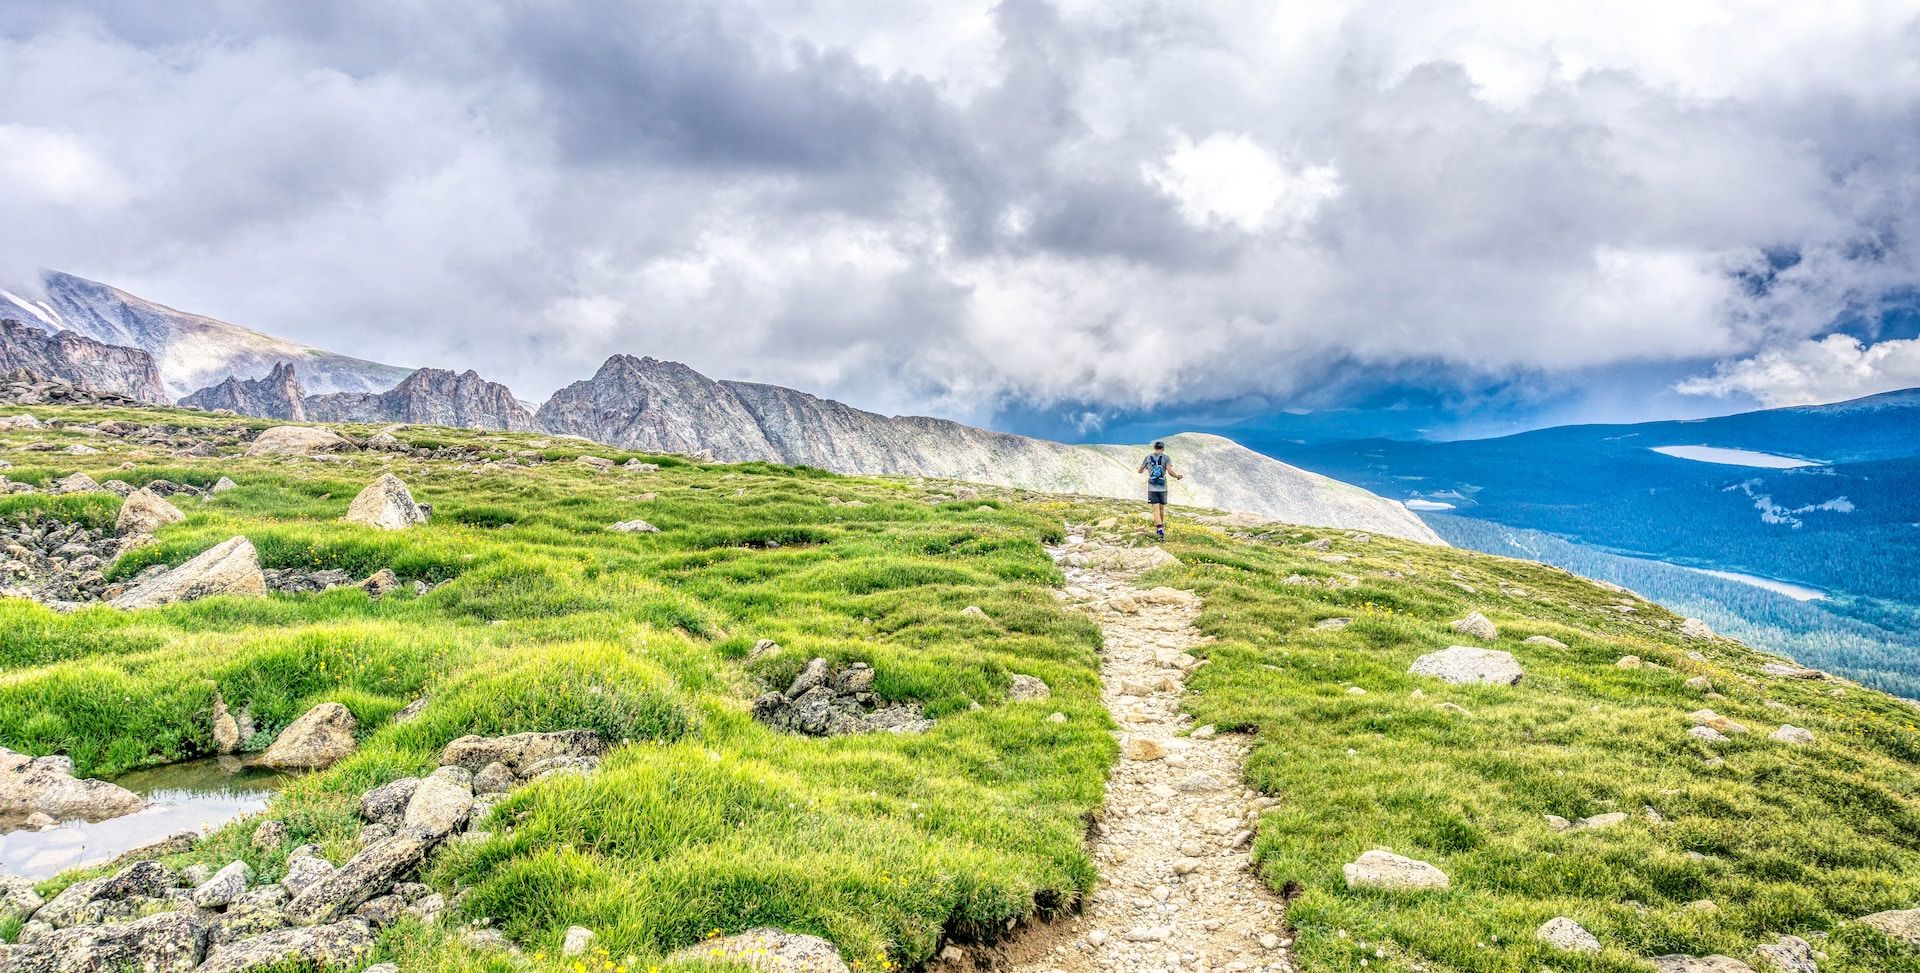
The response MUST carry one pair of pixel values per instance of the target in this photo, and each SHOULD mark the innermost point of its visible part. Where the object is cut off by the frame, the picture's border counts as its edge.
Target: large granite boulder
(231, 567)
(387, 504)
(297, 441)
(46, 785)
(321, 736)
(441, 801)
(1463, 664)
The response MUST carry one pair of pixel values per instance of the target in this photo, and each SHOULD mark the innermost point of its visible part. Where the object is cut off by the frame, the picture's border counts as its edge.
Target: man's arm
(1172, 472)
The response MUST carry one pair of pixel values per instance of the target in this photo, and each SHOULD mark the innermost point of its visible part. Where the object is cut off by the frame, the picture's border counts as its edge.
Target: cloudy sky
(1062, 211)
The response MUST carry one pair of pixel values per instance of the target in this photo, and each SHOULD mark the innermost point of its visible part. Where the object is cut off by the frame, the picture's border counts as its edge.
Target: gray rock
(1464, 664)
(1700, 964)
(231, 567)
(1383, 869)
(767, 950)
(341, 944)
(387, 804)
(305, 872)
(144, 512)
(1561, 932)
(371, 872)
(494, 778)
(225, 886)
(253, 912)
(1694, 628)
(577, 941)
(1025, 688)
(1478, 626)
(171, 942)
(521, 750)
(1788, 733)
(321, 736)
(385, 504)
(1548, 641)
(269, 835)
(18, 900)
(634, 527)
(440, 804)
(1901, 924)
(1790, 954)
(382, 910)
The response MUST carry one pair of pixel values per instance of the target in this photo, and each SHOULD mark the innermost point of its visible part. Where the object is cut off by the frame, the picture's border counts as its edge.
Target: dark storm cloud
(951, 206)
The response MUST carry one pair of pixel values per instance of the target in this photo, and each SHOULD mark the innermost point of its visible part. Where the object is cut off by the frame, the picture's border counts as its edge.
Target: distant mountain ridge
(191, 350)
(645, 403)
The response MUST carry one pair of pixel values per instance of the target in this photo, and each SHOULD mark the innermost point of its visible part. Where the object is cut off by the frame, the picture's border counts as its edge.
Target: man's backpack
(1157, 470)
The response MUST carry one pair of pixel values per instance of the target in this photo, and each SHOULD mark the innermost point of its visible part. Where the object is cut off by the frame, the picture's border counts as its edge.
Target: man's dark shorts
(1157, 496)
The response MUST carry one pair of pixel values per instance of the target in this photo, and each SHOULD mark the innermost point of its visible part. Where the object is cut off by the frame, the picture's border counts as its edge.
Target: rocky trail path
(1177, 892)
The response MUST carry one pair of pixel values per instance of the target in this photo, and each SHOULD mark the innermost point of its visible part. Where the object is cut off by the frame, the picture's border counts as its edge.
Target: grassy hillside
(541, 619)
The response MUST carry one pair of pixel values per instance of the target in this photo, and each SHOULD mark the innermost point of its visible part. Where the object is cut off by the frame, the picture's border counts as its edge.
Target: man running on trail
(1158, 466)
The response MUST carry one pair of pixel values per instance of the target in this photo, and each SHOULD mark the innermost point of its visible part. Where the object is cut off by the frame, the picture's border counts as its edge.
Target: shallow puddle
(193, 795)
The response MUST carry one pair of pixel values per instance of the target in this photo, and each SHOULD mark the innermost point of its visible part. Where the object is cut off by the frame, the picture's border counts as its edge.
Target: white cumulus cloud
(1830, 369)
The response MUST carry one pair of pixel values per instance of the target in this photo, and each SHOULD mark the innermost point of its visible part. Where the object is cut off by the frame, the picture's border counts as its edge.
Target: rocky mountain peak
(277, 396)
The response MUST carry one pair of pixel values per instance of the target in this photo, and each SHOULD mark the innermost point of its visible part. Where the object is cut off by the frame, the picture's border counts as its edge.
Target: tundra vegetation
(705, 822)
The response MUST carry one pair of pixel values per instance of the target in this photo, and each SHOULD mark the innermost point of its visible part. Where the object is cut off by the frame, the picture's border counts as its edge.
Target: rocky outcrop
(524, 754)
(277, 396)
(387, 504)
(321, 736)
(430, 396)
(192, 351)
(1464, 664)
(1700, 964)
(171, 942)
(231, 567)
(341, 944)
(46, 785)
(644, 403)
(825, 701)
(297, 441)
(80, 361)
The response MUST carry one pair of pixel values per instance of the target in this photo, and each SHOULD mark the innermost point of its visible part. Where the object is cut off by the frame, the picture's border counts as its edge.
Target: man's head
(1159, 447)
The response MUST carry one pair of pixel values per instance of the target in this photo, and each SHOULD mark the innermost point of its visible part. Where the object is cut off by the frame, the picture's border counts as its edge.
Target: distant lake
(1795, 591)
(1735, 457)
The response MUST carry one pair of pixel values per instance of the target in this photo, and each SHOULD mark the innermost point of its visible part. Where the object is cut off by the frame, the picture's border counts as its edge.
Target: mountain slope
(191, 350)
(83, 361)
(644, 403)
